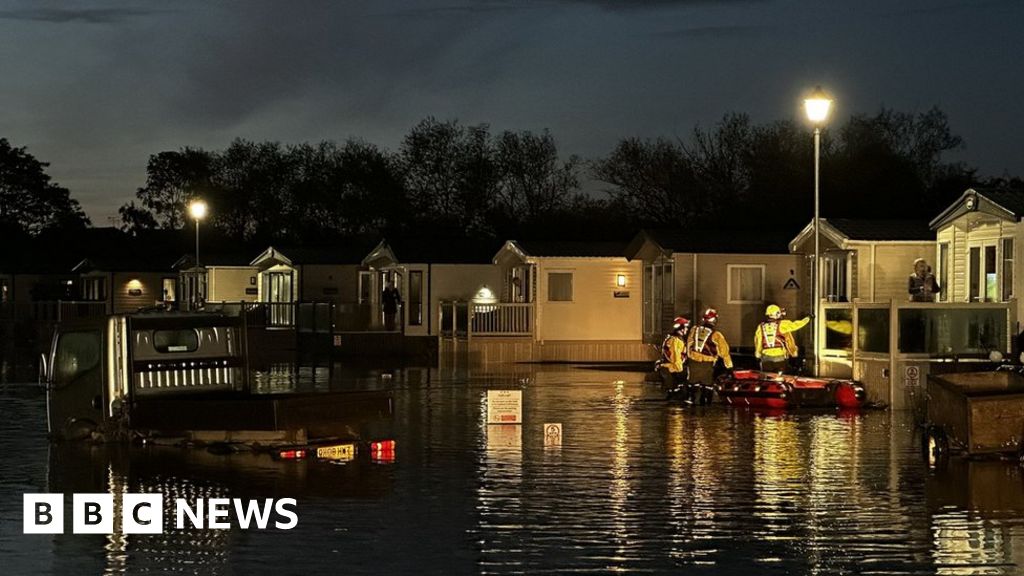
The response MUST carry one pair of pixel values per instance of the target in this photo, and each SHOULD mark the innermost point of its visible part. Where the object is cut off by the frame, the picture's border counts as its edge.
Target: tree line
(447, 177)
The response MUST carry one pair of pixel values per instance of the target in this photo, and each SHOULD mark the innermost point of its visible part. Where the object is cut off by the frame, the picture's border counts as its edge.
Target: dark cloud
(661, 4)
(715, 31)
(85, 15)
(97, 100)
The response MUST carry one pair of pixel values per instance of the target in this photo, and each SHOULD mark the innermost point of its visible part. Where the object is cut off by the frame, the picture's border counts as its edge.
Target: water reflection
(637, 486)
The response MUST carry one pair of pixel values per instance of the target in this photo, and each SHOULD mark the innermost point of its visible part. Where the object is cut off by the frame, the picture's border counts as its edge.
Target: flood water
(638, 486)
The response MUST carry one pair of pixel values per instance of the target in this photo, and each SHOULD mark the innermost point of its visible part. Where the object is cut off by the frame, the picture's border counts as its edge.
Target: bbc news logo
(144, 513)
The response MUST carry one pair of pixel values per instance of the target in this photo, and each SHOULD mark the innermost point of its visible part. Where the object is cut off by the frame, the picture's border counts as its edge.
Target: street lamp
(197, 209)
(817, 106)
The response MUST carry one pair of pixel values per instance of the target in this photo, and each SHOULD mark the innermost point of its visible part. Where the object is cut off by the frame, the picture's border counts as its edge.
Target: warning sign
(552, 434)
(791, 284)
(912, 376)
(504, 406)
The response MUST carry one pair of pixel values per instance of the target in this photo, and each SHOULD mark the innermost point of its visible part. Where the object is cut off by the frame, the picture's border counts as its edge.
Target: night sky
(96, 87)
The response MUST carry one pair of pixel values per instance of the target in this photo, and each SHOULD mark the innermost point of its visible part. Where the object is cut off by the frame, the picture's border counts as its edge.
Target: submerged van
(180, 375)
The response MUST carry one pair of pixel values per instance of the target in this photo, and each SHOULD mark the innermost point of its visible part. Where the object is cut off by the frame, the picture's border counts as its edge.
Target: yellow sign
(343, 452)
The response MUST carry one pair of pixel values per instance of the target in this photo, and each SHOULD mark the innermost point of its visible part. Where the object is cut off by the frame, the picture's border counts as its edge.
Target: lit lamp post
(817, 107)
(197, 209)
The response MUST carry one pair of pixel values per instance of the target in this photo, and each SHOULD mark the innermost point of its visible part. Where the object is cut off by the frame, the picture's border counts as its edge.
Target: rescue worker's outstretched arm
(758, 336)
(786, 326)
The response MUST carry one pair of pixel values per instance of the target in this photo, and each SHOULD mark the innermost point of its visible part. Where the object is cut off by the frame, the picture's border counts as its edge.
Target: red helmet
(680, 323)
(711, 316)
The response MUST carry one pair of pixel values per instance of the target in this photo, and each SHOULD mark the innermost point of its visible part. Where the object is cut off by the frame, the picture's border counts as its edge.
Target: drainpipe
(873, 246)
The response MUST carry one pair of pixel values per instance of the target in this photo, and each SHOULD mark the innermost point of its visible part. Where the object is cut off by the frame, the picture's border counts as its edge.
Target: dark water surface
(638, 486)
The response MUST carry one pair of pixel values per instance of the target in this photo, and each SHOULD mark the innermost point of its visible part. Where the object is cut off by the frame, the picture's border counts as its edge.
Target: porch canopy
(977, 204)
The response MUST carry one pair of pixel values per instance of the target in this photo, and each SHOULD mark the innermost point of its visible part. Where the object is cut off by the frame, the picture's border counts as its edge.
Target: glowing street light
(817, 106)
(197, 209)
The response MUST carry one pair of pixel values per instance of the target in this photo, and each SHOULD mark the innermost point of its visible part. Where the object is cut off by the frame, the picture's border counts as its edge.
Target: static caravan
(584, 300)
(871, 331)
(429, 272)
(977, 253)
(328, 274)
(867, 260)
(221, 277)
(125, 285)
(737, 272)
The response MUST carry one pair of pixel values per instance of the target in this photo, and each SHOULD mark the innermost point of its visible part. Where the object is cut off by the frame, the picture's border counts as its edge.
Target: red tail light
(291, 454)
(382, 446)
(382, 451)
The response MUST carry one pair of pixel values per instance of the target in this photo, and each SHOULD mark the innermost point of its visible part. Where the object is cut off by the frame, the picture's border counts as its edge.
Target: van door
(75, 392)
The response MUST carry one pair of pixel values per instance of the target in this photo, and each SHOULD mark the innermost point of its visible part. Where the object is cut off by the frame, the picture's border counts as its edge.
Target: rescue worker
(774, 343)
(672, 366)
(704, 346)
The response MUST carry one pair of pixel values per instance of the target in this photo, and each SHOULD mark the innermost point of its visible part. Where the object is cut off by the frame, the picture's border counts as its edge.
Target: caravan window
(416, 298)
(559, 286)
(1007, 269)
(186, 340)
(944, 272)
(943, 332)
(835, 266)
(746, 284)
(170, 289)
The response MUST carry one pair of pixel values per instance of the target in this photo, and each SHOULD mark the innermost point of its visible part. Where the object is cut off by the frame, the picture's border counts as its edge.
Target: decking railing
(468, 319)
(65, 310)
(259, 314)
(307, 317)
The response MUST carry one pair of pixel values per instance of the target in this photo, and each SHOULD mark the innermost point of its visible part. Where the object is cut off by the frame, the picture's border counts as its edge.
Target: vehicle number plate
(337, 452)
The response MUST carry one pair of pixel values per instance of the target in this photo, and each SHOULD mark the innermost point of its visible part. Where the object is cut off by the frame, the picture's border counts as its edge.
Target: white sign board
(553, 434)
(504, 406)
(912, 376)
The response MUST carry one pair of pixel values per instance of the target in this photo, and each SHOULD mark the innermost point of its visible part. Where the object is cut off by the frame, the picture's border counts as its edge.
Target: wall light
(620, 280)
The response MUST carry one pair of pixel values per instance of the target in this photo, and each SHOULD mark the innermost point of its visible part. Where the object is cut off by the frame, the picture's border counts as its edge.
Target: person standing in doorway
(390, 300)
(922, 284)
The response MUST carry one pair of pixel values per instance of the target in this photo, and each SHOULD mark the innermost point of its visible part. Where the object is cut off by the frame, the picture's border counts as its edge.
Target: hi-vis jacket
(673, 353)
(774, 340)
(705, 344)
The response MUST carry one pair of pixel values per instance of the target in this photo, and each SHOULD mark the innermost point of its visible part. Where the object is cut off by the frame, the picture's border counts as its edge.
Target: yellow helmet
(773, 311)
